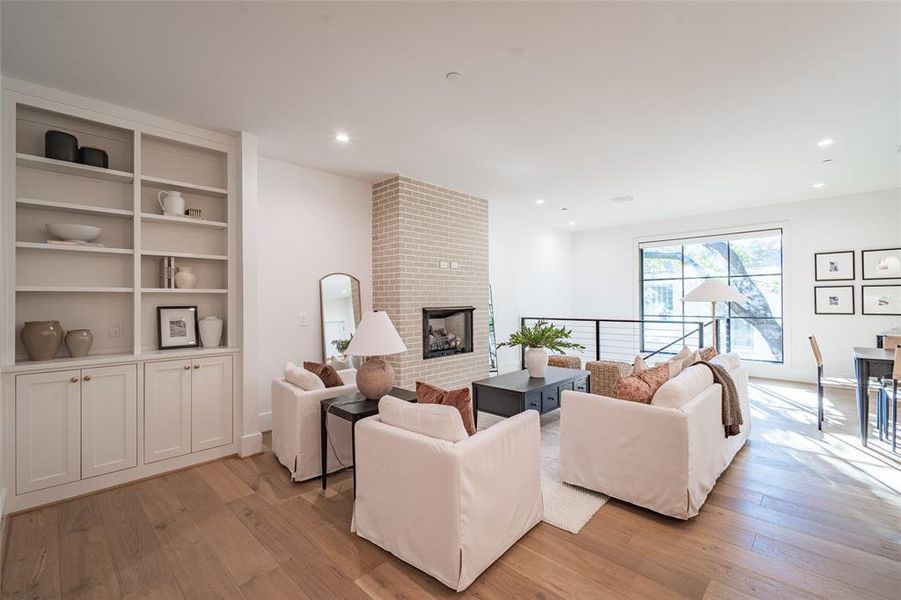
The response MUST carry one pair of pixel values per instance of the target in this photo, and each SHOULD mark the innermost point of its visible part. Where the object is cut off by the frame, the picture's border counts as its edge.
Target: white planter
(536, 362)
(210, 331)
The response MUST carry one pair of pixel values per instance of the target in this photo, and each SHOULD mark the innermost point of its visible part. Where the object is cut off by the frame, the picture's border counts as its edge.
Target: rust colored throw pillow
(633, 389)
(459, 399)
(327, 374)
(655, 377)
(707, 353)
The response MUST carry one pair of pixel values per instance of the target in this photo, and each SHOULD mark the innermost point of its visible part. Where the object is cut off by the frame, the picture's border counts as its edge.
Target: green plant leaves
(543, 335)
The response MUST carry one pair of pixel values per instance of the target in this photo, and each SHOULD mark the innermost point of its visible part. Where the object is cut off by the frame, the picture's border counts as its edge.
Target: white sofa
(296, 439)
(448, 504)
(665, 458)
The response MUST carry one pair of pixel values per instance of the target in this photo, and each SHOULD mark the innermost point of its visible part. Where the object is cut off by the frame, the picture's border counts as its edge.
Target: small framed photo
(835, 266)
(881, 264)
(881, 300)
(177, 327)
(833, 300)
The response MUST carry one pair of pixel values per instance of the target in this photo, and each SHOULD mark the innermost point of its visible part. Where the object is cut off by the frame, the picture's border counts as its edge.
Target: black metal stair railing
(624, 339)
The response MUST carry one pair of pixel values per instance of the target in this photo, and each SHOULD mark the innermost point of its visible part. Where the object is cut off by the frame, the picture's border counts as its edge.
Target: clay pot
(210, 331)
(185, 277)
(42, 339)
(375, 378)
(79, 341)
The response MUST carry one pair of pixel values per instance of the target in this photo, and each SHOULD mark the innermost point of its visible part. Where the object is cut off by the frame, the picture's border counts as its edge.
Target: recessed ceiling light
(453, 76)
(342, 137)
(826, 161)
(539, 201)
(826, 142)
(571, 223)
(818, 184)
(564, 208)
(621, 199)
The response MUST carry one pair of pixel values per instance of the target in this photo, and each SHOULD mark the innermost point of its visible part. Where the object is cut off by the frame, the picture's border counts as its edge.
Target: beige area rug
(565, 506)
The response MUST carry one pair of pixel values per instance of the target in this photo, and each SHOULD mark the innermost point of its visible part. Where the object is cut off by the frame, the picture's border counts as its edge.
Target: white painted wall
(529, 267)
(606, 261)
(311, 223)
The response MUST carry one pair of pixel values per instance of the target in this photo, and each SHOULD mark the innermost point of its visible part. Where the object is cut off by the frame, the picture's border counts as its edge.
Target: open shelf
(182, 186)
(97, 249)
(74, 289)
(183, 291)
(183, 221)
(70, 168)
(75, 208)
(184, 255)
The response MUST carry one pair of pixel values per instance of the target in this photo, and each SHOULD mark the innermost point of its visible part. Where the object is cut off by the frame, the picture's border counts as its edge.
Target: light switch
(455, 264)
(302, 319)
(443, 264)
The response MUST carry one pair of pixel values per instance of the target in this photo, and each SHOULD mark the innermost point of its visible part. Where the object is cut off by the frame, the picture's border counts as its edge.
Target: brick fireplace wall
(416, 226)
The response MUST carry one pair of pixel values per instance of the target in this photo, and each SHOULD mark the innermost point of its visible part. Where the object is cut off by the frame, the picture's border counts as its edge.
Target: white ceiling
(688, 107)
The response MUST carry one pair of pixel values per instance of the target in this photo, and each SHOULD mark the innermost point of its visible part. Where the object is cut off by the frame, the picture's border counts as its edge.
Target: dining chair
(818, 358)
(890, 386)
(890, 342)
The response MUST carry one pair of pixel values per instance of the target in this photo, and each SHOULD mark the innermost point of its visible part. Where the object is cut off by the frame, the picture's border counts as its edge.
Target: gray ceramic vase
(79, 341)
(42, 339)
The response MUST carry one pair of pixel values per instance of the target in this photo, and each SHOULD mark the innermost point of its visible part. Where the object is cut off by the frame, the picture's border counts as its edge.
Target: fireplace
(446, 331)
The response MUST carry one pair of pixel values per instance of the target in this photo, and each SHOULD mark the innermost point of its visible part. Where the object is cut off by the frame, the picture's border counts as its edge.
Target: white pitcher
(172, 203)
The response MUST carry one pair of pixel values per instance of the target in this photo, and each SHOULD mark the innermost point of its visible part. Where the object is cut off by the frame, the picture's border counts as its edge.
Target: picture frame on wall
(881, 300)
(833, 300)
(177, 327)
(835, 266)
(881, 264)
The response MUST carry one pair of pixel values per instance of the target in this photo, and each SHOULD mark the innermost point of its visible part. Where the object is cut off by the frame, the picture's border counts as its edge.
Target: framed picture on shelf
(881, 264)
(177, 327)
(833, 300)
(881, 300)
(835, 266)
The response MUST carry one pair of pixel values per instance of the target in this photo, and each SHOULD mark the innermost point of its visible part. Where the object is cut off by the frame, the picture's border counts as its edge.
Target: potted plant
(341, 345)
(538, 339)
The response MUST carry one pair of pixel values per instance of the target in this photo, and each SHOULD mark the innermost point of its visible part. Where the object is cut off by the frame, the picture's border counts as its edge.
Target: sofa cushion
(679, 390)
(655, 376)
(639, 365)
(605, 373)
(707, 354)
(460, 399)
(433, 420)
(327, 374)
(302, 378)
(729, 361)
(564, 361)
(633, 389)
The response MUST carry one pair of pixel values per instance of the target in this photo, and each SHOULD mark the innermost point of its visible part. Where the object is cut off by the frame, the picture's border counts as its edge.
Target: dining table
(869, 362)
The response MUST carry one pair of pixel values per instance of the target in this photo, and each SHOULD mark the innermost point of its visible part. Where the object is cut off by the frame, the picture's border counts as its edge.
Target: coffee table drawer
(532, 401)
(581, 385)
(550, 399)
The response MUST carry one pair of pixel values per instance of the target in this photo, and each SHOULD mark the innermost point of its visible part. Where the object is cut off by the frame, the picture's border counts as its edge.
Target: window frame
(721, 237)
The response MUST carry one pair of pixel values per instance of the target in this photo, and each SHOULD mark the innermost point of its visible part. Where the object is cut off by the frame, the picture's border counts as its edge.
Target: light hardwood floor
(799, 514)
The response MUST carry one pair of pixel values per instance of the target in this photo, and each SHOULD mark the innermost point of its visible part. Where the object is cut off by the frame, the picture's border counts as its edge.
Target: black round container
(94, 157)
(61, 146)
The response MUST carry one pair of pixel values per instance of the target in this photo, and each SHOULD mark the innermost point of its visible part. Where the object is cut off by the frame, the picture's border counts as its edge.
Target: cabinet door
(167, 409)
(211, 402)
(108, 420)
(48, 430)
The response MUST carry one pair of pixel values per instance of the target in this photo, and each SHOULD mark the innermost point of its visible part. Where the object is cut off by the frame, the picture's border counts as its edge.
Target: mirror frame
(322, 309)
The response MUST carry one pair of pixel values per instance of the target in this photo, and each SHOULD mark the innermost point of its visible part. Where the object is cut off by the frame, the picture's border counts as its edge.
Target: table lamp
(375, 336)
(713, 291)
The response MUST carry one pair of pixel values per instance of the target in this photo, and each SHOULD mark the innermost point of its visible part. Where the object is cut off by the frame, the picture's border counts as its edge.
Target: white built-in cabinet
(188, 406)
(74, 424)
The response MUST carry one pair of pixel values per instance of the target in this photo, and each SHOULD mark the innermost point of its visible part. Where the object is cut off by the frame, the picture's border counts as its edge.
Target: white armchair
(296, 427)
(447, 508)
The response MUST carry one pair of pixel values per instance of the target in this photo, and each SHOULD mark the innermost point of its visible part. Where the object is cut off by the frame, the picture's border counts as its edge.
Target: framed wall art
(177, 327)
(835, 266)
(833, 300)
(881, 300)
(881, 264)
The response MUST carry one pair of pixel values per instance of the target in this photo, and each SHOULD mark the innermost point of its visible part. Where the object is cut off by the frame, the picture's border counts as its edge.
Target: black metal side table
(351, 407)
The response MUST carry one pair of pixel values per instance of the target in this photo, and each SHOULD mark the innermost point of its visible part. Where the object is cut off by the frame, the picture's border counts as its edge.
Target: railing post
(701, 334)
(522, 350)
(597, 339)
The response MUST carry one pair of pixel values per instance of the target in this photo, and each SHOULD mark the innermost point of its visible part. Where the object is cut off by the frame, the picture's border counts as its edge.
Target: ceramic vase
(536, 362)
(42, 339)
(210, 331)
(185, 277)
(79, 341)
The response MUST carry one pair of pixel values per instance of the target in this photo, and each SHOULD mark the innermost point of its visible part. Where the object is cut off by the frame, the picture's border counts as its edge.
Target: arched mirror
(341, 312)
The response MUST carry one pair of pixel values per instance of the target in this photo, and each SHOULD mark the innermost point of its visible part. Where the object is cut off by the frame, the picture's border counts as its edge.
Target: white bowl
(72, 232)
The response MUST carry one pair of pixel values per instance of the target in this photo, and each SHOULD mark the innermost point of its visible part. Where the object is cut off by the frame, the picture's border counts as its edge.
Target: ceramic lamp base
(375, 378)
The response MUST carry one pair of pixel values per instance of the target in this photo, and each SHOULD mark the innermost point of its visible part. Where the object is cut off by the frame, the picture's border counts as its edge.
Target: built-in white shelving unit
(192, 255)
(181, 291)
(74, 208)
(78, 248)
(70, 168)
(184, 221)
(182, 186)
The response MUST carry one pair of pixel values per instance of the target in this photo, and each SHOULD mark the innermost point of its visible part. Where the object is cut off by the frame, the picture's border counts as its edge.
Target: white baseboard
(266, 421)
(251, 444)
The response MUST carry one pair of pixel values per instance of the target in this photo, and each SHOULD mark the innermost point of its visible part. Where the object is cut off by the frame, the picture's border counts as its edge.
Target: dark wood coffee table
(351, 407)
(512, 393)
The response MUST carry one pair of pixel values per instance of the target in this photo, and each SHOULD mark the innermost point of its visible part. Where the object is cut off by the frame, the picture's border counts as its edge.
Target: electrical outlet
(443, 264)
(115, 329)
(455, 264)
(302, 319)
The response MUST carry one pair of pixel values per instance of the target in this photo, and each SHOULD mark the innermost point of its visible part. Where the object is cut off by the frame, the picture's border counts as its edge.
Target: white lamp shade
(714, 290)
(375, 336)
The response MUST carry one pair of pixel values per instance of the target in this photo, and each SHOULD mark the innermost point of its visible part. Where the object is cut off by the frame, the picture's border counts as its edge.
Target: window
(751, 262)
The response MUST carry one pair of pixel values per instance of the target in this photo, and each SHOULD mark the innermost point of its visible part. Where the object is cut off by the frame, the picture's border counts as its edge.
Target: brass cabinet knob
(196, 366)
(187, 367)
(73, 380)
(87, 377)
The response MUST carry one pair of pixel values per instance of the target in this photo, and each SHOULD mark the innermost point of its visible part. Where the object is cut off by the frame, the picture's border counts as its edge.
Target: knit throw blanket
(732, 419)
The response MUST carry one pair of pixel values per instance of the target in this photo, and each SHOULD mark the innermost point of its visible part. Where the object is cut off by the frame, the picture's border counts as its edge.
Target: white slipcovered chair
(665, 456)
(296, 439)
(446, 503)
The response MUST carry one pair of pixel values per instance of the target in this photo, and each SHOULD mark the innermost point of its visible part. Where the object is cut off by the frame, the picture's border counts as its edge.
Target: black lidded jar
(61, 146)
(94, 157)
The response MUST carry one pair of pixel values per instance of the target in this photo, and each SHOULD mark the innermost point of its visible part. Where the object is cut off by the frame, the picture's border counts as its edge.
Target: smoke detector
(621, 199)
